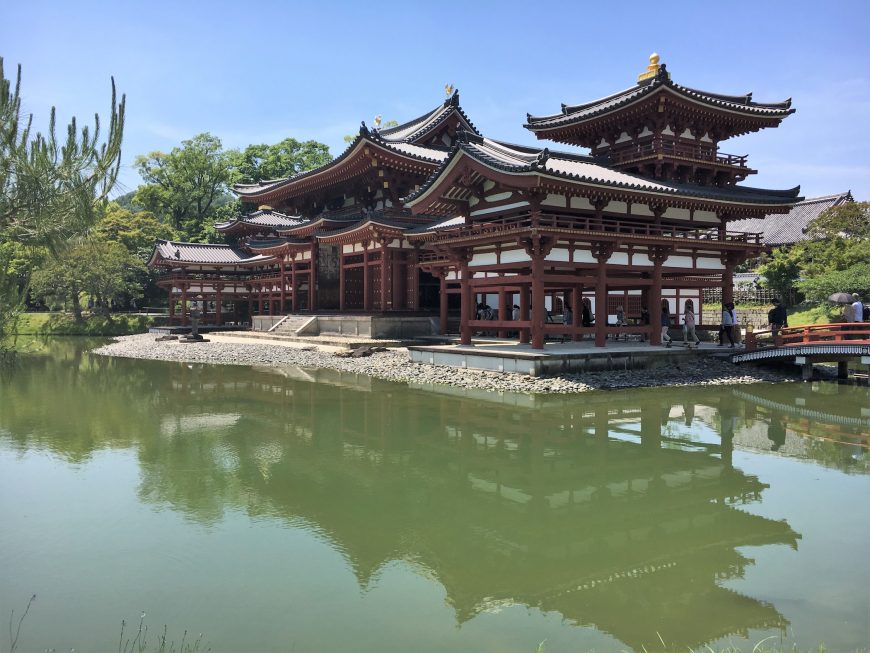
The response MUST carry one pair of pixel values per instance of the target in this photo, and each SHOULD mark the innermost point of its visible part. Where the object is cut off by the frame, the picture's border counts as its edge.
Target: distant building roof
(791, 227)
(263, 218)
(169, 252)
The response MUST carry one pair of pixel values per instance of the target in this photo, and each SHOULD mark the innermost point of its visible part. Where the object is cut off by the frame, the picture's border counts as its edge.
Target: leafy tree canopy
(853, 279)
(136, 231)
(848, 220)
(182, 186)
(289, 157)
(103, 270)
(50, 187)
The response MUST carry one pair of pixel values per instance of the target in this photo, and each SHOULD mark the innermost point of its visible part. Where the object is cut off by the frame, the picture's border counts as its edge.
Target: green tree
(289, 157)
(183, 186)
(51, 188)
(136, 231)
(853, 279)
(781, 270)
(103, 270)
(848, 220)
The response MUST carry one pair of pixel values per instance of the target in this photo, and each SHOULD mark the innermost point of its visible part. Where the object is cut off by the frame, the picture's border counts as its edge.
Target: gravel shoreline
(393, 365)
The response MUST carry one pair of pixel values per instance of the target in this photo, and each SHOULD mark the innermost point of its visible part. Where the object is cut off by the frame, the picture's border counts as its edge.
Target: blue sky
(252, 72)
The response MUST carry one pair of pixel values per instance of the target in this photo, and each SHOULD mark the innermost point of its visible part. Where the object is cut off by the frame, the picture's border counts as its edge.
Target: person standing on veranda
(727, 327)
(689, 323)
(666, 322)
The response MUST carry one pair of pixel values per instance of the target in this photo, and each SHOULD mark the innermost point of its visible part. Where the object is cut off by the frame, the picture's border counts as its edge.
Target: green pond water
(290, 509)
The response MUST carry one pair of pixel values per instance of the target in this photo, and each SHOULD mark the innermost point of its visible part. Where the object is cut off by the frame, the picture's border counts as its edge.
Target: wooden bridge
(805, 345)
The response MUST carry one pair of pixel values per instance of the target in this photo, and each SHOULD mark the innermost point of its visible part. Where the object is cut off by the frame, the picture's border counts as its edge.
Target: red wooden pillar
(467, 298)
(658, 257)
(601, 251)
(576, 311)
(217, 304)
(442, 302)
(414, 280)
(341, 279)
(367, 280)
(385, 270)
(294, 286)
(171, 304)
(283, 286)
(312, 279)
(728, 284)
(539, 308)
(524, 312)
(184, 305)
(503, 311)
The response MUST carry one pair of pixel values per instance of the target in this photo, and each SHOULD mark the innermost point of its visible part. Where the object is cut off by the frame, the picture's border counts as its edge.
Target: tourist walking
(857, 308)
(689, 322)
(666, 322)
(587, 312)
(777, 318)
(620, 319)
(726, 327)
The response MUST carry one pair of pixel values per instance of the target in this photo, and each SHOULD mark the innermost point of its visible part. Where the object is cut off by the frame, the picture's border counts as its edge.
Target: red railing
(683, 150)
(598, 225)
(812, 334)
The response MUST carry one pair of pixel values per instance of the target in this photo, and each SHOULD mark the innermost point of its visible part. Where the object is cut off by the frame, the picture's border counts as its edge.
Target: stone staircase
(290, 325)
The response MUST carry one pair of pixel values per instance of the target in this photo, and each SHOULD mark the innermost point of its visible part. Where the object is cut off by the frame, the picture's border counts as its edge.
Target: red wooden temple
(431, 216)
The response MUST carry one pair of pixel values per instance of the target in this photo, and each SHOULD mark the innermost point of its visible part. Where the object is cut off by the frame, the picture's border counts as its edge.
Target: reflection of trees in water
(824, 422)
(596, 507)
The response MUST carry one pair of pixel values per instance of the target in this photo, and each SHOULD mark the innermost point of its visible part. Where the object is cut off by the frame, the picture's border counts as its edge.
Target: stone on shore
(394, 365)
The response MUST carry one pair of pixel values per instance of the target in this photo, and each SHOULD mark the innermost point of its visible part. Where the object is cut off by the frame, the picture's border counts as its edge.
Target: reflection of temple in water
(614, 516)
(589, 511)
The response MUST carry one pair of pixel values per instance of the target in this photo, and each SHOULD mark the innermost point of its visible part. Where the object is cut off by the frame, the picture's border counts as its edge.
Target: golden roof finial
(652, 70)
(378, 120)
(448, 90)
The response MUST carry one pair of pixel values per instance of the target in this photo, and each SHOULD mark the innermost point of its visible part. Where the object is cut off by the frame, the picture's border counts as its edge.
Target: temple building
(433, 218)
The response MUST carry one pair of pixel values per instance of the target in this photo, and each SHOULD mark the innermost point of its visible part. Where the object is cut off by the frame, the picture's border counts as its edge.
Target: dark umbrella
(841, 298)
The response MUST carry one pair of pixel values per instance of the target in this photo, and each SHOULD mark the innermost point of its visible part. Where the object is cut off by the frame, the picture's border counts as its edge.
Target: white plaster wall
(554, 200)
(583, 256)
(678, 214)
(503, 207)
(640, 209)
(514, 256)
(706, 216)
(558, 254)
(498, 197)
(710, 264)
(617, 207)
(639, 258)
(679, 262)
(484, 258)
(581, 203)
(618, 258)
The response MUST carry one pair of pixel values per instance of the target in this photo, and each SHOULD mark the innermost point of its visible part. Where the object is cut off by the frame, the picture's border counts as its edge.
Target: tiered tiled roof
(403, 140)
(263, 218)
(742, 105)
(519, 160)
(791, 227)
(167, 252)
(415, 130)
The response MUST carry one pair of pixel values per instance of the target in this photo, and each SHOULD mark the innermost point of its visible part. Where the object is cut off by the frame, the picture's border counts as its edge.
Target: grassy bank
(63, 324)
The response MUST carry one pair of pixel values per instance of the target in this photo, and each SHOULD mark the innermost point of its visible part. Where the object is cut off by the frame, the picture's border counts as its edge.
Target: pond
(290, 509)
